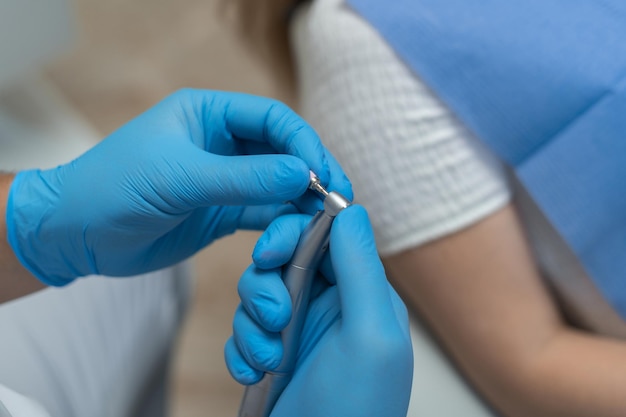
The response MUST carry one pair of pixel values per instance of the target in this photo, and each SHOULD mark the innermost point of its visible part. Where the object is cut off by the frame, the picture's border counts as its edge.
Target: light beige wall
(129, 54)
(30, 33)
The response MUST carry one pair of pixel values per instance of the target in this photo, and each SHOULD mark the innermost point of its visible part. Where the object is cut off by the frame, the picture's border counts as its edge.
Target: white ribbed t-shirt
(417, 169)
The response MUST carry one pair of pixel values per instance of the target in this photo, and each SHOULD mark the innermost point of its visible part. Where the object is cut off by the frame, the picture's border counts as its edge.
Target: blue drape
(543, 83)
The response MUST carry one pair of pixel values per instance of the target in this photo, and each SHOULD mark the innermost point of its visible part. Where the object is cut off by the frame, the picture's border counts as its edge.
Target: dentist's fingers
(265, 298)
(237, 365)
(242, 180)
(276, 245)
(309, 202)
(266, 120)
(361, 280)
(261, 349)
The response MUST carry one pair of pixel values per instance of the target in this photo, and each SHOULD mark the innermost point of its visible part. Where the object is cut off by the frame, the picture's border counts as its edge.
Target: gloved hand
(355, 356)
(165, 185)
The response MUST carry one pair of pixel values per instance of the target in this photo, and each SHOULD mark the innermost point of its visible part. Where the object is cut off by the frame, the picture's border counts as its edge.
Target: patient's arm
(422, 175)
(15, 280)
(482, 295)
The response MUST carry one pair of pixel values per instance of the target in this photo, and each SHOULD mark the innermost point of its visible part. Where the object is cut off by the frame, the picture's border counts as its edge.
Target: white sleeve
(98, 347)
(420, 173)
(13, 404)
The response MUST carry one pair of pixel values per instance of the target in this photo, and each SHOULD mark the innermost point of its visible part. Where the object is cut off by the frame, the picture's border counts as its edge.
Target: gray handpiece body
(259, 399)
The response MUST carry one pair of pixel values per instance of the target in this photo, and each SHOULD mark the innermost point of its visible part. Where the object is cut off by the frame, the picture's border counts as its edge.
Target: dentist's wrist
(31, 206)
(15, 280)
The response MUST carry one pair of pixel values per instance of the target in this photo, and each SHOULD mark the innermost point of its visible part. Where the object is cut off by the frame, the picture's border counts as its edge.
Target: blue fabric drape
(543, 83)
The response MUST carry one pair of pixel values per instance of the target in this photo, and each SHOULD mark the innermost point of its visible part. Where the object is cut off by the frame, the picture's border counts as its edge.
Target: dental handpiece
(259, 399)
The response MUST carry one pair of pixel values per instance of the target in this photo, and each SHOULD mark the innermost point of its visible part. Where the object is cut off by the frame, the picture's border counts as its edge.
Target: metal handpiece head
(333, 201)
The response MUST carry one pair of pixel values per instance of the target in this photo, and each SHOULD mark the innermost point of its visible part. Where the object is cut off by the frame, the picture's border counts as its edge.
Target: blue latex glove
(195, 167)
(355, 357)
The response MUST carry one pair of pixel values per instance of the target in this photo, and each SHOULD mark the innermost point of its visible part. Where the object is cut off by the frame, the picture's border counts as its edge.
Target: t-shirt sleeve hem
(455, 223)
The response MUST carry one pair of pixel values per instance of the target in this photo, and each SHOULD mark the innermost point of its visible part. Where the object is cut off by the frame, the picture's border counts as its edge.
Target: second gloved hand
(355, 357)
(195, 167)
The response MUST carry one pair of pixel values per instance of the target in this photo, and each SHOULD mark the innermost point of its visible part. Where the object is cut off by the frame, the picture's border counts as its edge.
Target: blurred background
(110, 61)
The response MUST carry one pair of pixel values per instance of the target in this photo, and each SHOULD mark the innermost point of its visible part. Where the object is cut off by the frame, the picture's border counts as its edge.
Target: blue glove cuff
(24, 214)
